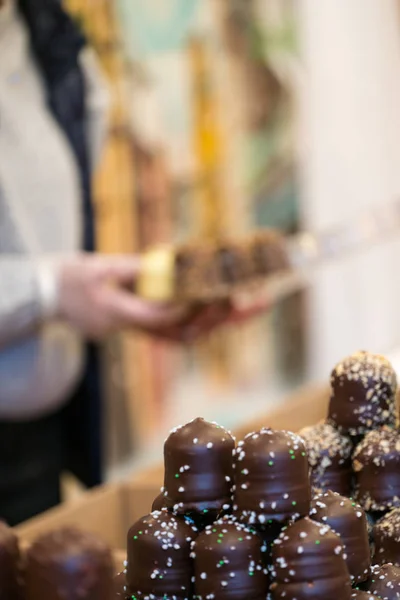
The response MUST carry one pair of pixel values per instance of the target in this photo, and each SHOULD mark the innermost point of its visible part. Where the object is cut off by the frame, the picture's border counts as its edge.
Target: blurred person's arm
(26, 296)
(88, 292)
(91, 294)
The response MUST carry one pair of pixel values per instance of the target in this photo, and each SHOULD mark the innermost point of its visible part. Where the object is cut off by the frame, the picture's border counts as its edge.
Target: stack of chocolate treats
(347, 452)
(275, 516)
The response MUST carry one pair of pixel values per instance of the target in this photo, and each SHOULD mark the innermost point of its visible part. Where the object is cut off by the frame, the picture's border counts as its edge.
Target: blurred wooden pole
(209, 218)
(244, 344)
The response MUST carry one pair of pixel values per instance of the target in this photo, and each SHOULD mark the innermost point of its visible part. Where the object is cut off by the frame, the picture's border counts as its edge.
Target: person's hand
(245, 308)
(93, 297)
(200, 320)
(204, 318)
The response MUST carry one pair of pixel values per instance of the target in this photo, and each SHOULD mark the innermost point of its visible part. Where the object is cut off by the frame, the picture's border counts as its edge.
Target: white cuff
(48, 284)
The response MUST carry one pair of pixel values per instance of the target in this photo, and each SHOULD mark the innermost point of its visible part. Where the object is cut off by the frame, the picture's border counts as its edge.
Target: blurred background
(230, 115)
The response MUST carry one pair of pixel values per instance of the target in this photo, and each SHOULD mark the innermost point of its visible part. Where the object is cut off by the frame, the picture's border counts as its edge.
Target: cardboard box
(109, 511)
(104, 511)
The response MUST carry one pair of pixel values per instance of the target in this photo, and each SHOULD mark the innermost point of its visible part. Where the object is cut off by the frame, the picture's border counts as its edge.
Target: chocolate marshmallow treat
(159, 563)
(228, 563)
(376, 463)
(198, 460)
(10, 565)
(269, 253)
(386, 537)
(272, 479)
(329, 456)
(309, 562)
(360, 595)
(196, 272)
(363, 394)
(69, 564)
(347, 519)
(384, 582)
(234, 263)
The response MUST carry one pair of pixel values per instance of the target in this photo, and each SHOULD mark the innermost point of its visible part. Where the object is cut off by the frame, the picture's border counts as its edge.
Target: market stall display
(290, 546)
(304, 557)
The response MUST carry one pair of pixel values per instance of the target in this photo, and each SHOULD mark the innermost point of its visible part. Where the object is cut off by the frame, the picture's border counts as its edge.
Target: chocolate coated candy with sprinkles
(363, 393)
(68, 563)
(269, 252)
(376, 463)
(360, 595)
(198, 459)
(384, 582)
(348, 520)
(159, 563)
(329, 456)
(272, 479)
(234, 263)
(386, 536)
(228, 563)
(309, 562)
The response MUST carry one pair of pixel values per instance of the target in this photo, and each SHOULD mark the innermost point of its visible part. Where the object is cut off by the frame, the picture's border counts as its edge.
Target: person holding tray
(56, 296)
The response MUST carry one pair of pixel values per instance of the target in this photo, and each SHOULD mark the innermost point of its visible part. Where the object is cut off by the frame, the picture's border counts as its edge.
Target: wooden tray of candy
(264, 262)
(202, 271)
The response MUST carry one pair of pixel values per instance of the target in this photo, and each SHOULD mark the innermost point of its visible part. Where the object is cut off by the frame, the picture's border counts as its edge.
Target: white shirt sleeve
(28, 295)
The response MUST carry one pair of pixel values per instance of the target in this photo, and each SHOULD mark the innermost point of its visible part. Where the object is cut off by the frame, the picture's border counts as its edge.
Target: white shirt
(39, 217)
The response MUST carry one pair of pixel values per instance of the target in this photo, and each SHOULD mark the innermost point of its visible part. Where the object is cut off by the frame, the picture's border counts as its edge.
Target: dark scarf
(56, 43)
